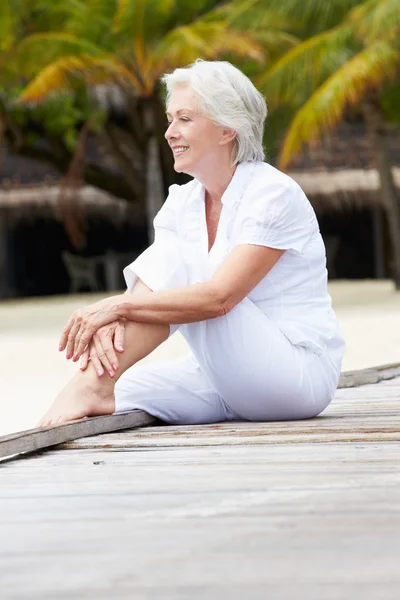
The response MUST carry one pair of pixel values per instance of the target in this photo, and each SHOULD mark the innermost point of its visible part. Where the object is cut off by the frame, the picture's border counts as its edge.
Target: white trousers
(241, 367)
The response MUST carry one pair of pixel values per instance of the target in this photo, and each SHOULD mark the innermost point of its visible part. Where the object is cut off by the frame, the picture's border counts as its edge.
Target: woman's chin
(181, 166)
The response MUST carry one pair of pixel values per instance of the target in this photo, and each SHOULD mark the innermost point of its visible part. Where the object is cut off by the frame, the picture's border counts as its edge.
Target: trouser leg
(175, 391)
(255, 369)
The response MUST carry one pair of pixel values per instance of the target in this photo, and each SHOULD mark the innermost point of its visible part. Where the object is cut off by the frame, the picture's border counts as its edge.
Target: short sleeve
(279, 216)
(160, 266)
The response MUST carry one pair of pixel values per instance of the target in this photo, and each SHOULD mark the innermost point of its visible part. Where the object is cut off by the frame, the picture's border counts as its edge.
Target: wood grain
(43, 437)
(38, 439)
(293, 510)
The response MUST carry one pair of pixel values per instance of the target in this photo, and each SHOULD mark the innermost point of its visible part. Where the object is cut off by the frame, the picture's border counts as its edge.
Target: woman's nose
(171, 131)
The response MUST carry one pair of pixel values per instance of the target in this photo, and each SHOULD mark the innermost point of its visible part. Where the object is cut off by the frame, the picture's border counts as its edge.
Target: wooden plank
(368, 376)
(315, 522)
(367, 414)
(32, 440)
(37, 439)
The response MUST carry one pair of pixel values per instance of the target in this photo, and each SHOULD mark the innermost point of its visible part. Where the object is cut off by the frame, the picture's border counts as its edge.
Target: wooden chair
(82, 272)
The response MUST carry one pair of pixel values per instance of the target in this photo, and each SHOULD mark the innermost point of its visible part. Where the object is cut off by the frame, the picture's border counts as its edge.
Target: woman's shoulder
(177, 192)
(273, 196)
(269, 179)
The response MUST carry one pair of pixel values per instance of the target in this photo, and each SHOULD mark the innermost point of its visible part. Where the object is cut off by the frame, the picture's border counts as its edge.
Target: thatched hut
(31, 191)
(339, 176)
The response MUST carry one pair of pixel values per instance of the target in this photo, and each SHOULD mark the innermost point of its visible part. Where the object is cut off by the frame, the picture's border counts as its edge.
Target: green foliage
(58, 116)
(300, 54)
(330, 71)
(390, 102)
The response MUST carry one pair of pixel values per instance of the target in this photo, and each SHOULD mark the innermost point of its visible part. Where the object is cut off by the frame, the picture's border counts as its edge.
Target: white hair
(227, 97)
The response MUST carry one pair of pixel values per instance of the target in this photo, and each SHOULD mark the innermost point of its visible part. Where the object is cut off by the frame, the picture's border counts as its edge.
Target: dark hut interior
(338, 175)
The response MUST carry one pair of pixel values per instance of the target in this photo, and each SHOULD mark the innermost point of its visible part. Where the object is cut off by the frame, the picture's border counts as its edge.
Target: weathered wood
(38, 439)
(43, 437)
(369, 414)
(163, 512)
(367, 376)
(320, 522)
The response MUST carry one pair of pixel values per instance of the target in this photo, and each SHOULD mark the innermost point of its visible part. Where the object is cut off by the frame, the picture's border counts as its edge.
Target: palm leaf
(142, 18)
(250, 15)
(7, 25)
(377, 19)
(313, 15)
(90, 19)
(185, 44)
(270, 29)
(302, 69)
(41, 49)
(367, 70)
(61, 75)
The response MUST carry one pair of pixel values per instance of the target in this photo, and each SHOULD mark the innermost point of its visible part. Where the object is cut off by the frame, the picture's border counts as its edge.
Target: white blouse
(261, 206)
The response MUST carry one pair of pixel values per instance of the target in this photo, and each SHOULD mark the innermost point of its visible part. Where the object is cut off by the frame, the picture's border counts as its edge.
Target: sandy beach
(32, 370)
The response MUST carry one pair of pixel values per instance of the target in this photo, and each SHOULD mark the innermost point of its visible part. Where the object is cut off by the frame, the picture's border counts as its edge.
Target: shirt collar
(235, 188)
(236, 185)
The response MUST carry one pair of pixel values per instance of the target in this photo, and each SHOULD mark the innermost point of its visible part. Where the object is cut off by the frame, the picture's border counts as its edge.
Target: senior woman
(238, 266)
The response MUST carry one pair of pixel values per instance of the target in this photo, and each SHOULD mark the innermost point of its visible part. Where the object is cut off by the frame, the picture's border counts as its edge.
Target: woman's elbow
(223, 303)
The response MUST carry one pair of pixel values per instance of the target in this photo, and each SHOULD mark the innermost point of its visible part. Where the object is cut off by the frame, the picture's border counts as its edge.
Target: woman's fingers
(84, 338)
(101, 353)
(71, 338)
(119, 336)
(85, 360)
(64, 336)
(95, 360)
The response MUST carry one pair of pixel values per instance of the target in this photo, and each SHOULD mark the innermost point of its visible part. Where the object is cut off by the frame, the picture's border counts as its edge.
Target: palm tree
(127, 45)
(353, 63)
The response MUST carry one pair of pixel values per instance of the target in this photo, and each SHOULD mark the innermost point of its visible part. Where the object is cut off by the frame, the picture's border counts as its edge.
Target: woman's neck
(216, 182)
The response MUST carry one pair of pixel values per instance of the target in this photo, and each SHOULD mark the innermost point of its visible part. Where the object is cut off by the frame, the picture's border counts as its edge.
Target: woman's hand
(101, 349)
(84, 323)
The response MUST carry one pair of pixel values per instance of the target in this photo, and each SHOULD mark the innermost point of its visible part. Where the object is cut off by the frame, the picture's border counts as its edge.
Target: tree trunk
(5, 291)
(155, 196)
(377, 131)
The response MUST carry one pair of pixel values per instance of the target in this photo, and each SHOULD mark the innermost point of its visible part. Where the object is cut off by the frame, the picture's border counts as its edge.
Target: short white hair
(226, 96)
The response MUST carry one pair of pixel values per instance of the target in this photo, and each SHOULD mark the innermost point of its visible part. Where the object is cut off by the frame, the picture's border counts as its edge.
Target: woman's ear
(228, 135)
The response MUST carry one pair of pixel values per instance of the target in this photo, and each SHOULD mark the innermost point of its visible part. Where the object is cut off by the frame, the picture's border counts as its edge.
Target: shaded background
(84, 166)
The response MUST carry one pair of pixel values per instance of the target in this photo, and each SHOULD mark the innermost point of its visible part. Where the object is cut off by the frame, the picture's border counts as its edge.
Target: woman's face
(196, 142)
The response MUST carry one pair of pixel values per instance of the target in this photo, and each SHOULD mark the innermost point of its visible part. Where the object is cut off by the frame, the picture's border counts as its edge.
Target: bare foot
(86, 395)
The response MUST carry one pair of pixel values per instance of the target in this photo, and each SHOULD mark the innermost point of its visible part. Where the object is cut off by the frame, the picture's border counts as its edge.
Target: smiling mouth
(180, 150)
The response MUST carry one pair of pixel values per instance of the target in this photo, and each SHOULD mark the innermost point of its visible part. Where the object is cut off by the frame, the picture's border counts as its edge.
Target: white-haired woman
(238, 266)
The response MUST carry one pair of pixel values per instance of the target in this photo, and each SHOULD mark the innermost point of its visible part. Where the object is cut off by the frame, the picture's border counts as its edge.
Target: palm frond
(61, 75)
(377, 19)
(250, 15)
(7, 25)
(271, 29)
(47, 16)
(275, 43)
(303, 68)
(185, 44)
(41, 49)
(346, 87)
(90, 19)
(313, 15)
(142, 18)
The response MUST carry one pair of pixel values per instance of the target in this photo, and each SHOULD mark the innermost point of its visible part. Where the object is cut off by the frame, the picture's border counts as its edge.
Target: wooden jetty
(301, 509)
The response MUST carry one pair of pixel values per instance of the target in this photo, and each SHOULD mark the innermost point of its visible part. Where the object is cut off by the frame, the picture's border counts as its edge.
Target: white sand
(32, 370)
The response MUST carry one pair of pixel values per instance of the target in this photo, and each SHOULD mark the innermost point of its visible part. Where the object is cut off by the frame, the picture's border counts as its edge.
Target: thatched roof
(51, 200)
(336, 190)
(340, 171)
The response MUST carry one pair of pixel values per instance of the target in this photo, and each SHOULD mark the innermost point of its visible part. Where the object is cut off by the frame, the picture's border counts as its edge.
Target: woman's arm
(241, 271)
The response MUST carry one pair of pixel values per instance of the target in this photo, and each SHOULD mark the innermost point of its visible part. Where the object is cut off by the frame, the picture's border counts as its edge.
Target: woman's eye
(184, 119)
